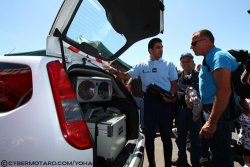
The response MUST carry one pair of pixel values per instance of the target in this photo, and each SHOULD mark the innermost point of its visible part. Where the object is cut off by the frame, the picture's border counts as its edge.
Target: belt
(156, 97)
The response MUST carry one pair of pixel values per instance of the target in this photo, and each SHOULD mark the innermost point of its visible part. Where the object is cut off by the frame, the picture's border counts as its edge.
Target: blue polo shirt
(216, 58)
(159, 72)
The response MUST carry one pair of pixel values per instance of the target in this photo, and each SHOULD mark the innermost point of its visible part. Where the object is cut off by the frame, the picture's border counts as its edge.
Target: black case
(157, 90)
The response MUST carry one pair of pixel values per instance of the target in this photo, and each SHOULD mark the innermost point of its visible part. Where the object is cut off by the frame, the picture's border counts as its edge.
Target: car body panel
(21, 141)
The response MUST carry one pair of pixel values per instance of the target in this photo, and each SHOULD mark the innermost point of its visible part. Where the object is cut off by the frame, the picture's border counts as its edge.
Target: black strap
(232, 103)
(204, 63)
(59, 35)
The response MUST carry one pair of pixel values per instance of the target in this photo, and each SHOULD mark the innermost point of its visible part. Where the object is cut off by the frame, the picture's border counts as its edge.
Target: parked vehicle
(63, 108)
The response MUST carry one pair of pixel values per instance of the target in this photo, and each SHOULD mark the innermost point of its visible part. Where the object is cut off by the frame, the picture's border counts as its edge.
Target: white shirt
(159, 72)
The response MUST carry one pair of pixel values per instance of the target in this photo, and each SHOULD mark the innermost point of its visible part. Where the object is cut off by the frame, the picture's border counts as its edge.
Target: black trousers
(158, 113)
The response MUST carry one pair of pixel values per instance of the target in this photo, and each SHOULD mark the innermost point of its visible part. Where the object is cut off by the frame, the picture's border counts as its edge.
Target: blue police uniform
(159, 72)
(157, 113)
(220, 143)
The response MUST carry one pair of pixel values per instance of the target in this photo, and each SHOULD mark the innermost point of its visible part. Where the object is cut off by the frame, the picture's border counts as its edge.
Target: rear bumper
(136, 158)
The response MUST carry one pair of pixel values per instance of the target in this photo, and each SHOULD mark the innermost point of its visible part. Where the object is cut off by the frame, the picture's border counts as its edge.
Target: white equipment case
(109, 132)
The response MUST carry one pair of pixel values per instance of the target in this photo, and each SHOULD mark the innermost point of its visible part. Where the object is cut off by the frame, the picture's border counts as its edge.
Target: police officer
(157, 110)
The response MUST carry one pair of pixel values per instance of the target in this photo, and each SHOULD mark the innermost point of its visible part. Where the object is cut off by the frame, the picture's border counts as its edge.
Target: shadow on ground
(237, 154)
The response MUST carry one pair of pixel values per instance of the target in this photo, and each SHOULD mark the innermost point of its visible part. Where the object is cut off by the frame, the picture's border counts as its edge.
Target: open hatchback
(69, 88)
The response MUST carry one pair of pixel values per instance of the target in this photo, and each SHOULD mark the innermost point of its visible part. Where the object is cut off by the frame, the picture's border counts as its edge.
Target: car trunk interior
(121, 101)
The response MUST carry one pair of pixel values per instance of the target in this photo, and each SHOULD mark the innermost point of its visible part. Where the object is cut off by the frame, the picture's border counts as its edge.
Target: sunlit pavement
(159, 153)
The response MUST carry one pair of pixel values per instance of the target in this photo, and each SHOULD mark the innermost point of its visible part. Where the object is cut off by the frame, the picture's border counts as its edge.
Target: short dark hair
(206, 33)
(153, 41)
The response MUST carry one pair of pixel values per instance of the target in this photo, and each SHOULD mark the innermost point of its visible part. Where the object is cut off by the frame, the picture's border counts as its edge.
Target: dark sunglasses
(195, 42)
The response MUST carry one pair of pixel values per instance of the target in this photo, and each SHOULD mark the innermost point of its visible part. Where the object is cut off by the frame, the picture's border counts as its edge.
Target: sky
(25, 24)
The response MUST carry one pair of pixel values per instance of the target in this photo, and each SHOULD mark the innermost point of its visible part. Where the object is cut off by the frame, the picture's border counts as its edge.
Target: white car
(63, 108)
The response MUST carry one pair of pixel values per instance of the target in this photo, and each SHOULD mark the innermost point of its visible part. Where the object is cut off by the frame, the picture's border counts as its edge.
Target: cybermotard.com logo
(5, 163)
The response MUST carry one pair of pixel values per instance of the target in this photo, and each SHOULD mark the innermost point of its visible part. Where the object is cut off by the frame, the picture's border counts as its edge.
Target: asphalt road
(159, 153)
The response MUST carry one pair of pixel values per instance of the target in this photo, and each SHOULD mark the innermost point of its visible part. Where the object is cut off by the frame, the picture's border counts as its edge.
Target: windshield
(91, 26)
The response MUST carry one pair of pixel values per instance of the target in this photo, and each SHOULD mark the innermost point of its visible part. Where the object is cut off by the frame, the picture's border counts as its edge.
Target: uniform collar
(159, 60)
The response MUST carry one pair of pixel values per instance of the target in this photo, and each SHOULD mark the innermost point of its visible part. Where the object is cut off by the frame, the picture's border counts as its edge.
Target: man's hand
(110, 69)
(208, 129)
(222, 78)
(119, 74)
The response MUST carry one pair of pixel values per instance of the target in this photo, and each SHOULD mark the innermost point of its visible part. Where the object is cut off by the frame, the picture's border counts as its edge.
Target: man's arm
(123, 75)
(119, 74)
(223, 83)
(173, 91)
(222, 79)
(174, 87)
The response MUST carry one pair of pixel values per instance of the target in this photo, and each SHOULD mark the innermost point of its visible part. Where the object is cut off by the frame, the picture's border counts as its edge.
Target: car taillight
(73, 127)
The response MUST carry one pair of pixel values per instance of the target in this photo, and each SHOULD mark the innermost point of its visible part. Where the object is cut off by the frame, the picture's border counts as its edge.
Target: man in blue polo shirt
(215, 90)
(157, 110)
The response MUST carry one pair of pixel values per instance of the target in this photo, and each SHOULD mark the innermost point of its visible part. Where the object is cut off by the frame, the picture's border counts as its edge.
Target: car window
(90, 25)
(15, 85)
